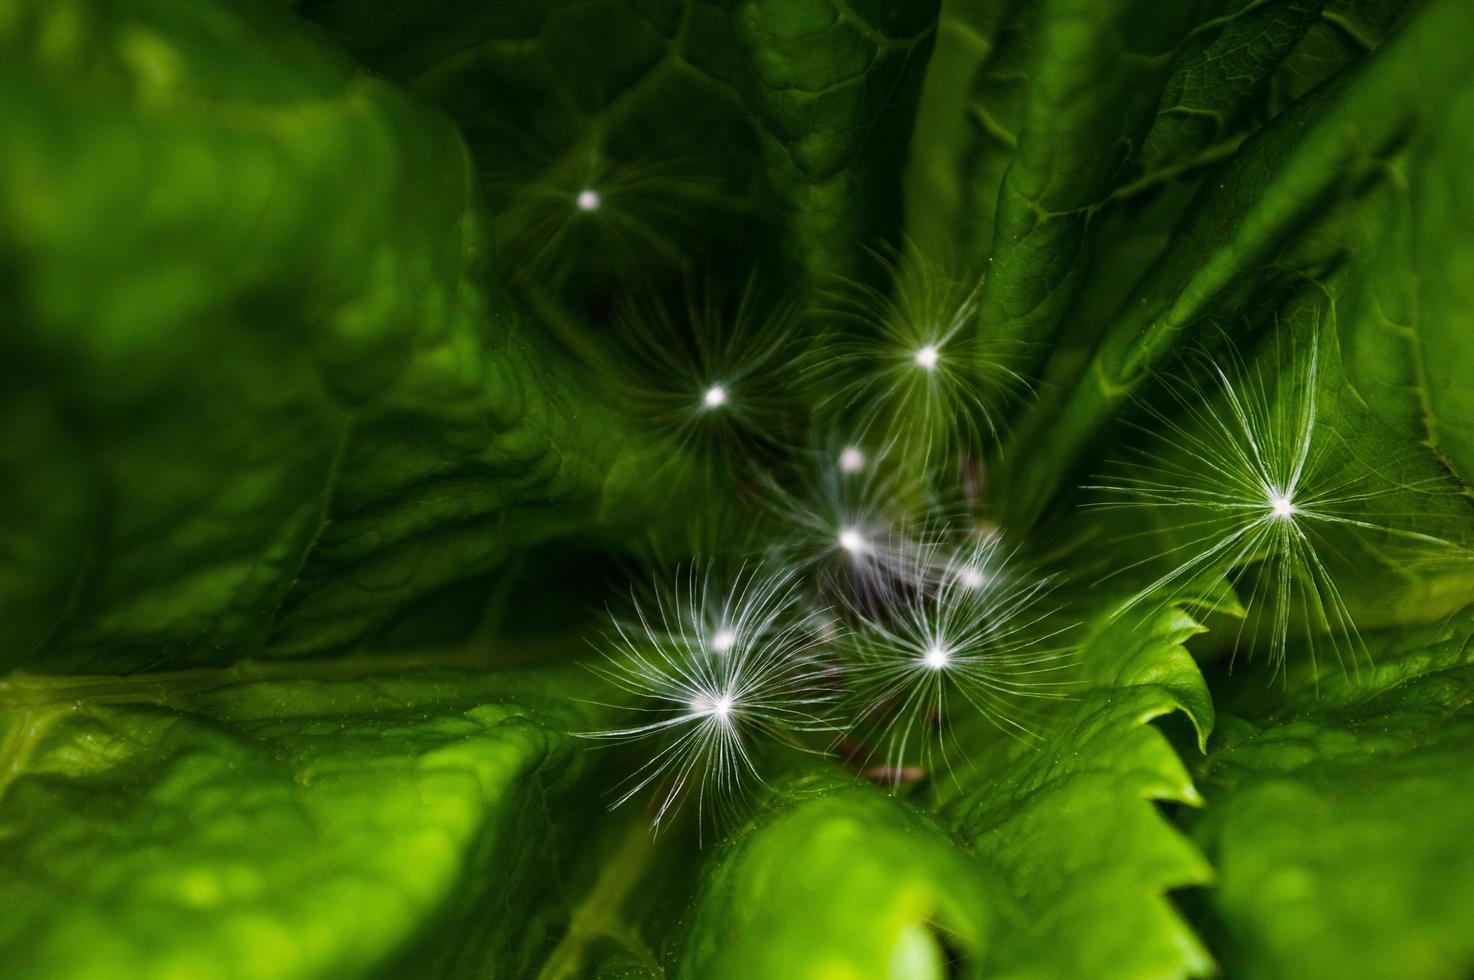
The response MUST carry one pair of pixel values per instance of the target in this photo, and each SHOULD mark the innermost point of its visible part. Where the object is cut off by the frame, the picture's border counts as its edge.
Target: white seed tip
(851, 540)
(715, 397)
(927, 357)
(936, 658)
(723, 641)
(1281, 506)
(706, 706)
(588, 200)
(851, 460)
(971, 578)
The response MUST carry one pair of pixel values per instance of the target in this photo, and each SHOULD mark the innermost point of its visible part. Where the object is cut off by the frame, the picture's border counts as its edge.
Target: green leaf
(1075, 106)
(260, 389)
(1340, 213)
(1339, 820)
(1346, 30)
(201, 825)
(834, 86)
(835, 879)
(1069, 820)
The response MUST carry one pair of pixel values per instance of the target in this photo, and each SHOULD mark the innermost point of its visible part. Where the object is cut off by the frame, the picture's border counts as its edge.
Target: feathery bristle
(1240, 468)
(719, 665)
(966, 631)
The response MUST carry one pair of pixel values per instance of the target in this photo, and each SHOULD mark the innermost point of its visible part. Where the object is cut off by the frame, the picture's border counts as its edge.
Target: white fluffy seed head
(717, 706)
(1237, 453)
(845, 527)
(588, 200)
(972, 578)
(851, 460)
(881, 368)
(932, 650)
(701, 712)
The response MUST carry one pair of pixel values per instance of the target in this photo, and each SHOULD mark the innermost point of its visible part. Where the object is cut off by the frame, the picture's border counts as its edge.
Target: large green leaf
(199, 824)
(1070, 821)
(259, 386)
(1077, 106)
(1339, 820)
(834, 879)
(1340, 213)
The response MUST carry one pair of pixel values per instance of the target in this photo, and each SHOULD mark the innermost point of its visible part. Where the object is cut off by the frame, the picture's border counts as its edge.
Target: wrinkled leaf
(199, 826)
(1069, 820)
(1338, 821)
(1051, 837)
(1329, 214)
(1078, 104)
(277, 383)
(260, 389)
(834, 879)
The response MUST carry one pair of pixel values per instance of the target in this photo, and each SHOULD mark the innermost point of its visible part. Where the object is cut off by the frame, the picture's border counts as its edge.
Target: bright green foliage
(353, 414)
(1057, 866)
(877, 888)
(1324, 215)
(314, 421)
(1085, 854)
(1338, 819)
(1079, 104)
(205, 826)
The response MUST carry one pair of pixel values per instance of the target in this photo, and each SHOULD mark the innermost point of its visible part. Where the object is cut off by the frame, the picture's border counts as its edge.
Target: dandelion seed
(649, 211)
(708, 702)
(709, 376)
(926, 651)
(845, 524)
(1249, 486)
(883, 367)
